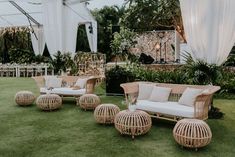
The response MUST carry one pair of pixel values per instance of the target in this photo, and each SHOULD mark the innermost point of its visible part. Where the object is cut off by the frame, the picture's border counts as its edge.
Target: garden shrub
(114, 77)
(21, 56)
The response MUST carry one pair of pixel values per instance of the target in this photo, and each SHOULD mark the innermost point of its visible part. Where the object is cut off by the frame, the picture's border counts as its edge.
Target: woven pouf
(133, 123)
(24, 98)
(192, 133)
(88, 101)
(49, 102)
(105, 113)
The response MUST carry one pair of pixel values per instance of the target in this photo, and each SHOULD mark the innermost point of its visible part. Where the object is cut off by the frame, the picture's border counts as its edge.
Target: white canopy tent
(53, 22)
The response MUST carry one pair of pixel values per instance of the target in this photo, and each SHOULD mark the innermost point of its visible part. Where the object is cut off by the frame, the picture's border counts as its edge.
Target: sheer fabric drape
(61, 23)
(210, 28)
(38, 40)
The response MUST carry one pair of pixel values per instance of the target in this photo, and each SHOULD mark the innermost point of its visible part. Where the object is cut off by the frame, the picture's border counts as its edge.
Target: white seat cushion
(169, 108)
(189, 96)
(145, 91)
(160, 94)
(64, 91)
(43, 90)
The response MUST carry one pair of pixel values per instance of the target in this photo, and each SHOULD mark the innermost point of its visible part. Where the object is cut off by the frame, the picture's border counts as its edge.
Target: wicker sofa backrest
(69, 81)
(132, 88)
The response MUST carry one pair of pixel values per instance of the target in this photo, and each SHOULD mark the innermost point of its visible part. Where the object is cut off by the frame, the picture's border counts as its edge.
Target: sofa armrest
(130, 90)
(201, 106)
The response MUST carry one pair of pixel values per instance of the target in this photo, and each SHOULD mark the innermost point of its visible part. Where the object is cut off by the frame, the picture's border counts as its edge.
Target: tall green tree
(106, 18)
(147, 15)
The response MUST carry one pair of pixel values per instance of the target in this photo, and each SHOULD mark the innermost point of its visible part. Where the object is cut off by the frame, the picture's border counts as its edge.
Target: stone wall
(149, 43)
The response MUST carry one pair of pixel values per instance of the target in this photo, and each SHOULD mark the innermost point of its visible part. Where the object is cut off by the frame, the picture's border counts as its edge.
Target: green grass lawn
(72, 132)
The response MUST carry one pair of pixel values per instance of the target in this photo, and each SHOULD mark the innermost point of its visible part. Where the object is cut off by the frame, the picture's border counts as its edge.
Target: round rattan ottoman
(133, 123)
(49, 102)
(88, 101)
(24, 98)
(105, 113)
(192, 133)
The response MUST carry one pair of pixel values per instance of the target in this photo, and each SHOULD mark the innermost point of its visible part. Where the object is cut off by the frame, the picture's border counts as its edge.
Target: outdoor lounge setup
(66, 86)
(171, 101)
(139, 78)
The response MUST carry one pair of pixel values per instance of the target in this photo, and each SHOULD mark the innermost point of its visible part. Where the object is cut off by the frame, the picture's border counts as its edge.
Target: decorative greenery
(88, 63)
(122, 42)
(115, 76)
(158, 14)
(62, 62)
(106, 18)
(42, 59)
(230, 61)
(200, 72)
(21, 56)
(11, 38)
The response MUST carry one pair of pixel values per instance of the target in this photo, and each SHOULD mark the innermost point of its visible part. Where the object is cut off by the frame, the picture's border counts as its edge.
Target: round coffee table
(24, 98)
(192, 133)
(49, 102)
(105, 113)
(88, 101)
(133, 123)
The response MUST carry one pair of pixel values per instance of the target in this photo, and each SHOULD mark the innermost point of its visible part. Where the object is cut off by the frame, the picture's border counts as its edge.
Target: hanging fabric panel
(38, 40)
(52, 23)
(209, 27)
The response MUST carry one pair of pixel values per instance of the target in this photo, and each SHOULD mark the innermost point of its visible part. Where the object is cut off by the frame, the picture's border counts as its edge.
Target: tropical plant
(230, 61)
(106, 18)
(62, 62)
(200, 72)
(122, 42)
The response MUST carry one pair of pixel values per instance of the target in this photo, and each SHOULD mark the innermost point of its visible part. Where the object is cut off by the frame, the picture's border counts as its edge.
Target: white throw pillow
(145, 91)
(189, 96)
(160, 94)
(47, 78)
(81, 82)
(54, 82)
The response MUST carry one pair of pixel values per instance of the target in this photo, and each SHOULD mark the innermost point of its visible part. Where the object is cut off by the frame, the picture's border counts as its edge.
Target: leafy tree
(122, 42)
(147, 15)
(106, 18)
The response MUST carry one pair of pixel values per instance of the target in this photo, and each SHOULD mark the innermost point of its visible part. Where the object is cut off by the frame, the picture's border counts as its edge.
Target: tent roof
(10, 16)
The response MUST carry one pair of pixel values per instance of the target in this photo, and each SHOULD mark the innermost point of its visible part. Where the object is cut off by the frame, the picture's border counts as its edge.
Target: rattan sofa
(198, 111)
(67, 86)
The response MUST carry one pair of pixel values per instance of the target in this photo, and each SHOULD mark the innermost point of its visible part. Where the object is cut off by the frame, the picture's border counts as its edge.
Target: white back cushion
(81, 82)
(189, 96)
(47, 78)
(145, 91)
(160, 94)
(54, 82)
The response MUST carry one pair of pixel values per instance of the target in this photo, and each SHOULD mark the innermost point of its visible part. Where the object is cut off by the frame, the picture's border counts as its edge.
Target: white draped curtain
(210, 28)
(61, 23)
(38, 40)
(52, 23)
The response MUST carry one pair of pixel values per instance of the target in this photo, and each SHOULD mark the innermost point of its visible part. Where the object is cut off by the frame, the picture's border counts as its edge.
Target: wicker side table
(192, 133)
(88, 101)
(49, 102)
(105, 113)
(133, 123)
(24, 98)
